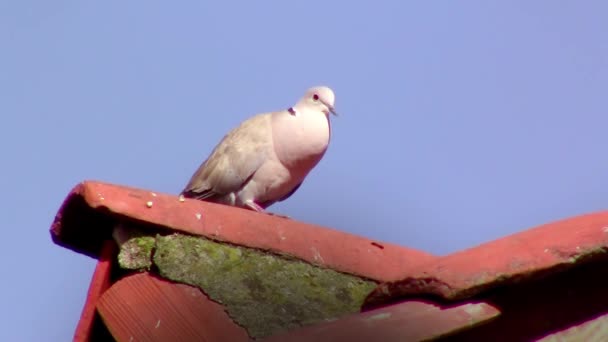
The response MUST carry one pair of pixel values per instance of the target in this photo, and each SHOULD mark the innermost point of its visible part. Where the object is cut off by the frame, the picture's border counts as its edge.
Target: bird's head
(317, 98)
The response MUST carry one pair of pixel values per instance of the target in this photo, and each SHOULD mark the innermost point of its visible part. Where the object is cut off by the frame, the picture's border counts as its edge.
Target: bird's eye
(315, 97)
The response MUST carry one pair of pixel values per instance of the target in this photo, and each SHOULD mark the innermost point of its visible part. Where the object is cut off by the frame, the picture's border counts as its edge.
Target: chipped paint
(383, 315)
(473, 310)
(281, 235)
(198, 216)
(316, 255)
(149, 204)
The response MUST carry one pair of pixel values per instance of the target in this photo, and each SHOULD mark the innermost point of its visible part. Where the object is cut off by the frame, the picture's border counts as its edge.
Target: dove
(267, 157)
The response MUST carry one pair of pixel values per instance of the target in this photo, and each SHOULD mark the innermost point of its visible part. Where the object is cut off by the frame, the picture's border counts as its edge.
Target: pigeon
(267, 157)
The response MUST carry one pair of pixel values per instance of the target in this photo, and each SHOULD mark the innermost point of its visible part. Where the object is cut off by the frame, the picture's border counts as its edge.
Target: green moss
(263, 292)
(136, 253)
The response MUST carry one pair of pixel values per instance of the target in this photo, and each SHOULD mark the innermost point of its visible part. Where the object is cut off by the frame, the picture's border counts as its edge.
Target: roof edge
(92, 209)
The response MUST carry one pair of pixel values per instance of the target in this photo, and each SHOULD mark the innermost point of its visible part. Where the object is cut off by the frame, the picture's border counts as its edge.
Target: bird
(266, 158)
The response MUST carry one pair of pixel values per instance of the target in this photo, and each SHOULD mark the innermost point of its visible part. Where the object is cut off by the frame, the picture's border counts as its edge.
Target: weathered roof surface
(593, 330)
(409, 321)
(90, 211)
(547, 282)
(535, 252)
(88, 327)
(142, 307)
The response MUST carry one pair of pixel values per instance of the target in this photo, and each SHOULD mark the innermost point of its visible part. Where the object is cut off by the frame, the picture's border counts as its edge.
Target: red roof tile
(594, 330)
(533, 308)
(87, 215)
(89, 325)
(524, 286)
(409, 321)
(142, 307)
(550, 247)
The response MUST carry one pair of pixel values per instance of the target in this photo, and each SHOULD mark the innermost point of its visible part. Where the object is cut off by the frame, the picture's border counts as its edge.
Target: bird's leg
(255, 207)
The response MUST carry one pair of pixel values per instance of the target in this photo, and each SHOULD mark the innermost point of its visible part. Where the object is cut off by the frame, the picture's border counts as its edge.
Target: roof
(538, 283)
(92, 209)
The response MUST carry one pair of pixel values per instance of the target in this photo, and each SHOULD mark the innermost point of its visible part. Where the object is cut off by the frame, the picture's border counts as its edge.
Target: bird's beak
(331, 109)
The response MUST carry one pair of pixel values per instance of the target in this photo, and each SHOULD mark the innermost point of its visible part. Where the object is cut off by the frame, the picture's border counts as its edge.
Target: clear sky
(461, 121)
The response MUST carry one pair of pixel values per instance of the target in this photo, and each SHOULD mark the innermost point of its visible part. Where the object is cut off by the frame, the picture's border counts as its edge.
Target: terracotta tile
(543, 280)
(594, 330)
(90, 211)
(408, 321)
(551, 247)
(532, 309)
(89, 324)
(142, 307)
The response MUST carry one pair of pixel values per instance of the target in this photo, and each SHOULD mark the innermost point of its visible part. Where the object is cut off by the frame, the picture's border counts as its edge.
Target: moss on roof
(264, 292)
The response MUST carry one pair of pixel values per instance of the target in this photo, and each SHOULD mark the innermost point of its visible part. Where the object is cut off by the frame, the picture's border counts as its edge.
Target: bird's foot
(255, 207)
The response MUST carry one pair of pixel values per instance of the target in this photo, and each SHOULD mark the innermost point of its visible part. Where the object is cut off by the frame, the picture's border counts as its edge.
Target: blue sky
(461, 122)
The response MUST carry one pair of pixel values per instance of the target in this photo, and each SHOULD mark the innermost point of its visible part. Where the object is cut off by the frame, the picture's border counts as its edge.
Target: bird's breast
(300, 140)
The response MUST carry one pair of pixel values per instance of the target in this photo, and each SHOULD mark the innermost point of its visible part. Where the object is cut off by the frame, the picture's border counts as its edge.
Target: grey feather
(233, 161)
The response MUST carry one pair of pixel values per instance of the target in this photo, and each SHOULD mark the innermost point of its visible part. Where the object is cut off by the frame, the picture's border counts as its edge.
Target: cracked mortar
(263, 292)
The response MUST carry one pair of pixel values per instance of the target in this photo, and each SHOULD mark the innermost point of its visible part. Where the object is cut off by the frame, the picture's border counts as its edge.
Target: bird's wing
(271, 202)
(234, 160)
